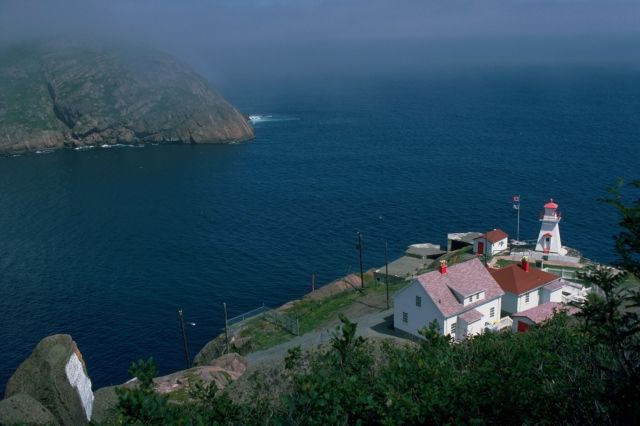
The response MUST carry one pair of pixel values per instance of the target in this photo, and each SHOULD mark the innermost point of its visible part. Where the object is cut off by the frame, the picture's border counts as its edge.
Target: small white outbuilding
(491, 243)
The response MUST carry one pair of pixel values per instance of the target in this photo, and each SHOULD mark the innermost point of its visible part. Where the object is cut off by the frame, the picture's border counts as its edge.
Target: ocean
(108, 244)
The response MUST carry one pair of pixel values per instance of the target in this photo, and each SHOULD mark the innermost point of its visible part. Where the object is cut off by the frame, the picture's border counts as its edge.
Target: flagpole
(518, 228)
(516, 205)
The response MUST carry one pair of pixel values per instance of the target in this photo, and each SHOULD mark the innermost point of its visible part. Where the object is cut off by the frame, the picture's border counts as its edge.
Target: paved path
(373, 325)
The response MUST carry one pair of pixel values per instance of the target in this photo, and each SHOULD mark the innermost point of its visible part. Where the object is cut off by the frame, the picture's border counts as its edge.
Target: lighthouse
(549, 238)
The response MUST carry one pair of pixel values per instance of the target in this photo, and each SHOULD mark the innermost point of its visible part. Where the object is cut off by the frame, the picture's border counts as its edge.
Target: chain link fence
(283, 320)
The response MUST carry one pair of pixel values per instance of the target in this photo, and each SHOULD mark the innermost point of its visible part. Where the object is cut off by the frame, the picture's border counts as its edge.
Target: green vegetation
(581, 370)
(316, 313)
(505, 262)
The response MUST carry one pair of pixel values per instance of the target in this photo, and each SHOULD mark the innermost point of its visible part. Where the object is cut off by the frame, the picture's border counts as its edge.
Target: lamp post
(184, 338)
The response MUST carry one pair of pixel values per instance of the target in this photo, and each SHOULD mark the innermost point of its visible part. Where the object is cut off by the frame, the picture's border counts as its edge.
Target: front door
(480, 247)
(522, 327)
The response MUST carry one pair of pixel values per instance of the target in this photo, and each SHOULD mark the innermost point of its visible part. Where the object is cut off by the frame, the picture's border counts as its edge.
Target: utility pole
(359, 246)
(313, 282)
(226, 330)
(184, 339)
(386, 270)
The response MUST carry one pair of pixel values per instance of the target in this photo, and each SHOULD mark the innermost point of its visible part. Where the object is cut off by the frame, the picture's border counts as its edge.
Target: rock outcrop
(59, 94)
(22, 409)
(221, 371)
(54, 376)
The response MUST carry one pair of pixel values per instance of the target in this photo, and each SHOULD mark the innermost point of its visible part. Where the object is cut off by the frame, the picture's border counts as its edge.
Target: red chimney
(443, 267)
(525, 264)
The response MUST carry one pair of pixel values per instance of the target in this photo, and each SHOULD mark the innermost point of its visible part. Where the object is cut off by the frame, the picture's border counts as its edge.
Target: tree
(141, 404)
(610, 312)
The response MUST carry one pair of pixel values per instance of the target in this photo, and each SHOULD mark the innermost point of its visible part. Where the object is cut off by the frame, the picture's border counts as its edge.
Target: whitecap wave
(258, 118)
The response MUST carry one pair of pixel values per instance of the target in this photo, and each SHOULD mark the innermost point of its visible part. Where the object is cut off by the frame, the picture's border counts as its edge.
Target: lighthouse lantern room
(549, 238)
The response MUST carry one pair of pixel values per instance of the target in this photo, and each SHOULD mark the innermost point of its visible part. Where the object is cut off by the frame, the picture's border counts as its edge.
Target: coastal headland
(60, 94)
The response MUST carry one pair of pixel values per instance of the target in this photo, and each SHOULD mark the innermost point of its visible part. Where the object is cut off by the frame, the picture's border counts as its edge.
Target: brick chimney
(525, 263)
(443, 267)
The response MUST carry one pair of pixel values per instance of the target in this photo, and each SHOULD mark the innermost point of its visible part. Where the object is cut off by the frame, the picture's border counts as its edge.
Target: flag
(516, 202)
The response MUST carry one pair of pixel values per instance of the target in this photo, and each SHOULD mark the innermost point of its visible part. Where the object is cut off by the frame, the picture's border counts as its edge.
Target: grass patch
(262, 334)
(501, 263)
(313, 314)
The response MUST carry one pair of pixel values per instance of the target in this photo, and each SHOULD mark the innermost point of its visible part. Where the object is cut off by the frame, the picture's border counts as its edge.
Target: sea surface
(108, 244)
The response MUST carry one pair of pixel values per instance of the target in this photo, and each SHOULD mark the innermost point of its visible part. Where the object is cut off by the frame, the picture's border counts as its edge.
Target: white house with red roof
(549, 237)
(463, 299)
(526, 287)
(522, 321)
(491, 242)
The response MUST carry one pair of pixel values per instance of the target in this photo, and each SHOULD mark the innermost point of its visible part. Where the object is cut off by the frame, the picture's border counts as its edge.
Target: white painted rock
(56, 377)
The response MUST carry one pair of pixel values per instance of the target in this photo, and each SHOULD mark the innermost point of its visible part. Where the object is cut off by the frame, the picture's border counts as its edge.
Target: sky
(293, 37)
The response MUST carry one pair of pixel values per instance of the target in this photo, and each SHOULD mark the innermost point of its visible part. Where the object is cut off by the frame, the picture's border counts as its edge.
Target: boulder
(235, 364)
(23, 409)
(104, 405)
(56, 377)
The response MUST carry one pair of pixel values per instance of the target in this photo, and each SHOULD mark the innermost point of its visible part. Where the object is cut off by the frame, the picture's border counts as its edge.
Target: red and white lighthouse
(549, 238)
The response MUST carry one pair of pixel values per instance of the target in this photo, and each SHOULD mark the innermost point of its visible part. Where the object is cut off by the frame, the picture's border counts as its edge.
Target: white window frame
(453, 328)
(526, 298)
(418, 301)
(492, 312)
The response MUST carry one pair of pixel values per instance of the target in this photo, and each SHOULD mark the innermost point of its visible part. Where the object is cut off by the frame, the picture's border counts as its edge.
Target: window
(418, 301)
(492, 312)
(471, 299)
(478, 296)
(526, 298)
(453, 328)
(405, 317)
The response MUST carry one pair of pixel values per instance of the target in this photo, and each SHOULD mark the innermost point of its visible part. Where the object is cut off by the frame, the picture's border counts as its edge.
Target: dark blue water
(107, 245)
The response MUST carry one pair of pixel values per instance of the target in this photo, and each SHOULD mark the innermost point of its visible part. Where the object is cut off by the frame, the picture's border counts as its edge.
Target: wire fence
(286, 321)
(247, 315)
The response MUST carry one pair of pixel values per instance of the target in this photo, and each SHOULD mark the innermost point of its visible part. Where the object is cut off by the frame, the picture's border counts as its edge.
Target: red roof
(551, 205)
(463, 278)
(494, 236)
(515, 280)
(543, 312)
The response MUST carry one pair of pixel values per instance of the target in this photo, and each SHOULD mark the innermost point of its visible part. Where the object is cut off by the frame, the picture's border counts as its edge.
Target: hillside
(63, 94)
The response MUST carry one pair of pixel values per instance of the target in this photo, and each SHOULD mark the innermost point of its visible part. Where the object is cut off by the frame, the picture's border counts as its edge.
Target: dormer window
(474, 298)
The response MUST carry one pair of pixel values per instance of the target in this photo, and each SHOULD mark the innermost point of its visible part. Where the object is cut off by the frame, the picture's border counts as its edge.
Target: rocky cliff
(59, 94)
(52, 386)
